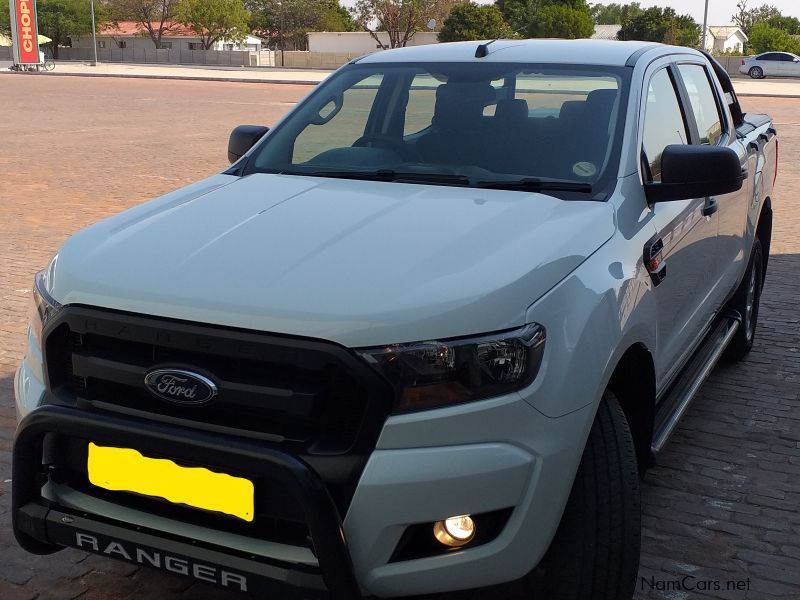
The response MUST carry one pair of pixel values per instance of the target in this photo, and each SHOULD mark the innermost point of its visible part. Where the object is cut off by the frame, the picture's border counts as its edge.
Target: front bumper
(472, 458)
(42, 528)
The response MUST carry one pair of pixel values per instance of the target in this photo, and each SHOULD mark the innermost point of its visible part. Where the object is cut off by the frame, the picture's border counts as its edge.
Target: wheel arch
(764, 232)
(633, 382)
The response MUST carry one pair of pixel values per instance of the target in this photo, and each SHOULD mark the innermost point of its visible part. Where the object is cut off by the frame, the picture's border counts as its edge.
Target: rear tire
(595, 553)
(747, 301)
(756, 73)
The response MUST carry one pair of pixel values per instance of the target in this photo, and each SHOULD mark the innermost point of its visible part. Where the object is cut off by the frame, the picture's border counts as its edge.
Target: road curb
(180, 77)
(761, 95)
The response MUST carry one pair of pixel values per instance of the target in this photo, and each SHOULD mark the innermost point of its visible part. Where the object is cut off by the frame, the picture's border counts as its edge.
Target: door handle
(711, 206)
(753, 147)
(654, 259)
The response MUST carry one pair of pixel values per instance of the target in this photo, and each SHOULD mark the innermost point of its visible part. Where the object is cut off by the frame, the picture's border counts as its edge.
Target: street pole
(94, 34)
(283, 63)
(705, 26)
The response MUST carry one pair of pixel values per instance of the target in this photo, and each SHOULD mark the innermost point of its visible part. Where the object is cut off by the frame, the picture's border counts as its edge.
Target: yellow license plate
(126, 470)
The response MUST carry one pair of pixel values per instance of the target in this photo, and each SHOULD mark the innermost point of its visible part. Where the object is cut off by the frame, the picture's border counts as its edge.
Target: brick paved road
(723, 504)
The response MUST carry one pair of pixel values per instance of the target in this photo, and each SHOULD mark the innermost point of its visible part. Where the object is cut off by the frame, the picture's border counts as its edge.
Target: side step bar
(675, 403)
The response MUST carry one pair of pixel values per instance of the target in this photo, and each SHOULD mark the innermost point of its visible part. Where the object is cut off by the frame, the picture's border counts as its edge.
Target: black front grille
(312, 398)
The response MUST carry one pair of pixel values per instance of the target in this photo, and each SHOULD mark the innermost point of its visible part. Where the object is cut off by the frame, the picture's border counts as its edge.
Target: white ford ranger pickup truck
(424, 335)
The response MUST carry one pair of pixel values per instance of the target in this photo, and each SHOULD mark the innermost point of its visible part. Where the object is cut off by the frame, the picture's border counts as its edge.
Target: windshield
(504, 125)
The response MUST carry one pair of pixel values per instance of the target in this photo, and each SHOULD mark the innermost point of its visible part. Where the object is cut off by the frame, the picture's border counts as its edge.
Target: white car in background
(771, 64)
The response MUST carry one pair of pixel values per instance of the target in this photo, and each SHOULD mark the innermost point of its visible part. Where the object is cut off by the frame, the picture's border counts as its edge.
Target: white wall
(180, 44)
(359, 42)
(735, 42)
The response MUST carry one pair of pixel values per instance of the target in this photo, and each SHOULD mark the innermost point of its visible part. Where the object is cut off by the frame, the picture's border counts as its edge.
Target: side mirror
(242, 139)
(696, 172)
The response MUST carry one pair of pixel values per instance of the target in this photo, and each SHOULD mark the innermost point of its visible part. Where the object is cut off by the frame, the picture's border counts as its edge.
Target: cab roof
(586, 52)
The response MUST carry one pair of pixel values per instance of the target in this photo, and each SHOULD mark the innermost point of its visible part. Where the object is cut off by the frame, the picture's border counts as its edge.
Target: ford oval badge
(179, 386)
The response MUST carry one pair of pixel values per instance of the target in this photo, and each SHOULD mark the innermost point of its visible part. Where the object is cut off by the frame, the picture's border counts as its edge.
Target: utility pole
(94, 34)
(705, 26)
(280, 26)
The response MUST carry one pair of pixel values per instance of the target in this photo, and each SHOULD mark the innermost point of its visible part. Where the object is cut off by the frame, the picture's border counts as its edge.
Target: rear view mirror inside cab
(329, 110)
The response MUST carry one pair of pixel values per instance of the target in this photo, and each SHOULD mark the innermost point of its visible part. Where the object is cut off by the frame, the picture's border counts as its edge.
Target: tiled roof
(725, 32)
(133, 28)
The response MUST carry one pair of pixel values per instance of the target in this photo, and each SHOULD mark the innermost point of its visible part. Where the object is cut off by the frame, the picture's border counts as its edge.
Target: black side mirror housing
(696, 172)
(242, 139)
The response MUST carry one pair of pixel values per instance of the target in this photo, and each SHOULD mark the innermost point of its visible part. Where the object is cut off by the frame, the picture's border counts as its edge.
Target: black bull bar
(41, 527)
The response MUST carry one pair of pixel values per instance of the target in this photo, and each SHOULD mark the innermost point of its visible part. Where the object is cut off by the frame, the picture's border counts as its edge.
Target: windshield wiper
(530, 184)
(390, 175)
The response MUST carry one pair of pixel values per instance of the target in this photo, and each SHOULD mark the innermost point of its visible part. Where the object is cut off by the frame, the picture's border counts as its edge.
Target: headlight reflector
(438, 373)
(42, 308)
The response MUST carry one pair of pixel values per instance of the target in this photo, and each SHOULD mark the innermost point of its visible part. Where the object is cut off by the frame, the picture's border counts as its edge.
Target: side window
(500, 91)
(704, 104)
(341, 122)
(421, 103)
(663, 121)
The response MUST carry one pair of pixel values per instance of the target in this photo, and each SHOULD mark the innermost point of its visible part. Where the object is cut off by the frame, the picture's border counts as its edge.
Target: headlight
(438, 373)
(43, 306)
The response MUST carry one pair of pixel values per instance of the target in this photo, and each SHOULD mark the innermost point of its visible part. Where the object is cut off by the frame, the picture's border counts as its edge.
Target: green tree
(5, 21)
(400, 19)
(285, 23)
(790, 25)
(62, 20)
(548, 18)
(764, 38)
(215, 20)
(746, 18)
(661, 25)
(469, 21)
(333, 16)
(614, 14)
(156, 17)
(517, 13)
(559, 21)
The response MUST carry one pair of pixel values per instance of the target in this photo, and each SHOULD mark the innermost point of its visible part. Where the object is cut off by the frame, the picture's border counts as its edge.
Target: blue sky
(719, 11)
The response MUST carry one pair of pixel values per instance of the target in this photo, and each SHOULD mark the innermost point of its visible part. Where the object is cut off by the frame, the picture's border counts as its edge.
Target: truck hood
(357, 262)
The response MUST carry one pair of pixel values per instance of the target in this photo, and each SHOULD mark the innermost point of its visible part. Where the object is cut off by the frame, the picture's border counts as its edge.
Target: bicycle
(48, 64)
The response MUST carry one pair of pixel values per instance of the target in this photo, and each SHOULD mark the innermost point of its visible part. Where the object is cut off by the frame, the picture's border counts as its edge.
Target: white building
(359, 42)
(728, 38)
(606, 32)
(130, 35)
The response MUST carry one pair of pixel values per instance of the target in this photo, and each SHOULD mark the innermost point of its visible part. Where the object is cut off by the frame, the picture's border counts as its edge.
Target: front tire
(595, 553)
(747, 302)
(756, 73)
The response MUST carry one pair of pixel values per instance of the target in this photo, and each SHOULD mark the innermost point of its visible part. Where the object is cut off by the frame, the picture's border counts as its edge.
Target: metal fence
(731, 63)
(235, 58)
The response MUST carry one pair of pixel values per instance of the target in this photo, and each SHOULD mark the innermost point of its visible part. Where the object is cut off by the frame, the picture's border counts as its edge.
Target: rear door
(714, 127)
(770, 63)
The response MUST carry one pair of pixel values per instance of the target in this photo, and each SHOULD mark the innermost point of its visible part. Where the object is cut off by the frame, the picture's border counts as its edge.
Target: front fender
(592, 317)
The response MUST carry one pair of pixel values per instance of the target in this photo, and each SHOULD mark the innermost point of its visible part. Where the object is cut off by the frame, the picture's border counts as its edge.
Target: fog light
(455, 531)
